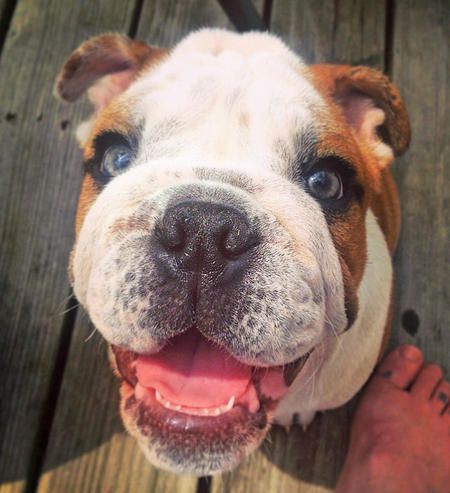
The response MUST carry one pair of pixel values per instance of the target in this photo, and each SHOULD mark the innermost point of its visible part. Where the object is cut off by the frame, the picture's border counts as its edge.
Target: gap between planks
(389, 37)
(7, 8)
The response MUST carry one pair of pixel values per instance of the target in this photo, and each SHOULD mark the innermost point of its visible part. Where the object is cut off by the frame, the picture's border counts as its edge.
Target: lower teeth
(196, 411)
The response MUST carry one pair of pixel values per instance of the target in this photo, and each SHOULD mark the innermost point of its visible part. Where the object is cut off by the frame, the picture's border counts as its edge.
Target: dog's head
(221, 231)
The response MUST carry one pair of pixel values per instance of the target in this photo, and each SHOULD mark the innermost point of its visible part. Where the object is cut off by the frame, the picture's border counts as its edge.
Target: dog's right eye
(116, 160)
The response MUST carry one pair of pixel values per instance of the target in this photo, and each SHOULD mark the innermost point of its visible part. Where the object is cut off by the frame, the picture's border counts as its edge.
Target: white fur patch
(226, 98)
(337, 369)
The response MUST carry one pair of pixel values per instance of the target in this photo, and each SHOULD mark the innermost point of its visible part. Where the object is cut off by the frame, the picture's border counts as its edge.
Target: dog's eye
(116, 159)
(325, 185)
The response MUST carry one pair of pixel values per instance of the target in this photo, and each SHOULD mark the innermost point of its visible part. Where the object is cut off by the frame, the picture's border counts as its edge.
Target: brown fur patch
(116, 117)
(340, 80)
(88, 194)
(339, 138)
(379, 184)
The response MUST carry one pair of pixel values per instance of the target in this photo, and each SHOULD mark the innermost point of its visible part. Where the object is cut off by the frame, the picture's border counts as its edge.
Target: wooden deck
(59, 424)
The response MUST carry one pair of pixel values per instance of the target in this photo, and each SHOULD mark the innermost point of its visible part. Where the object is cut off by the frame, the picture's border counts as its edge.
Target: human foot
(400, 437)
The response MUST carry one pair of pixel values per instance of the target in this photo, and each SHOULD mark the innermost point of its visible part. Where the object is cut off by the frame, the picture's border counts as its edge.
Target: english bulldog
(234, 234)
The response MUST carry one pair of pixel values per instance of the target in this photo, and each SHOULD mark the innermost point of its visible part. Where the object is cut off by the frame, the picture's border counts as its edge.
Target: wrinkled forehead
(227, 99)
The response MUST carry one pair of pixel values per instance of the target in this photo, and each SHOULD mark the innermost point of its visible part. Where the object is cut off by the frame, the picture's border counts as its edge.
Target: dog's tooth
(177, 407)
(162, 400)
(229, 404)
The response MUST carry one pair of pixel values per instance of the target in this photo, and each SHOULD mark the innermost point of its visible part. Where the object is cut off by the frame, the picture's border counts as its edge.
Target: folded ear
(371, 104)
(106, 65)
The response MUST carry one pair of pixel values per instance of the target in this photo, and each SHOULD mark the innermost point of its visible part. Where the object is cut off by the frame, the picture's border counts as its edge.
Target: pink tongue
(192, 372)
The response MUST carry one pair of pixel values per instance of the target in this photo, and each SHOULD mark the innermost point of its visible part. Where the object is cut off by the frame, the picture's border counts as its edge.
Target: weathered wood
(421, 68)
(328, 31)
(165, 23)
(39, 179)
(309, 462)
(88, 449)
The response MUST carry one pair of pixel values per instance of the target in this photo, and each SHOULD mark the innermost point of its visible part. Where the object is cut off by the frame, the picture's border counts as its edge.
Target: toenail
(443, 397)
(411, 353)
(386, 374)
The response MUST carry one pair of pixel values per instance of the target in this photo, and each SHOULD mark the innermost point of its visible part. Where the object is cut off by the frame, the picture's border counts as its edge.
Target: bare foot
(400, 438)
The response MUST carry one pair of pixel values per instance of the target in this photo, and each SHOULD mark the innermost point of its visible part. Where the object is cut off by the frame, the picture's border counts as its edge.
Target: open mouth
(196, 379)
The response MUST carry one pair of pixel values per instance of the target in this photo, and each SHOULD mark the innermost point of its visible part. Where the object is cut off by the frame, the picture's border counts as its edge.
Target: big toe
(401, 366)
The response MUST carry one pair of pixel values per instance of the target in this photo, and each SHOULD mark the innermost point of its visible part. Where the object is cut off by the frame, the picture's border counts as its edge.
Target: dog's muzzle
(212, 309)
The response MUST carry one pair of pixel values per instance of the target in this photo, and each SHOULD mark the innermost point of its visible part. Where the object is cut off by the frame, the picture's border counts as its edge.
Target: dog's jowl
(234, 233)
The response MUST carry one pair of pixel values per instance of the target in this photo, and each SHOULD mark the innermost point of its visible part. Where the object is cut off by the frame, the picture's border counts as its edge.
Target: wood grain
(421, 69)
(88, 449)
(348, 31)
(165, 23)
(352, 32)
(39, 180)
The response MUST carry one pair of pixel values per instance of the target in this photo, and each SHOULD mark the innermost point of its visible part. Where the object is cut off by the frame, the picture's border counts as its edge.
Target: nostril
(236, 240)
(172, 236)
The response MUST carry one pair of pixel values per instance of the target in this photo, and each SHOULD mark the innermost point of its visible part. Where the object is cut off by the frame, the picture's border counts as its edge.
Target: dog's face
(221, 231)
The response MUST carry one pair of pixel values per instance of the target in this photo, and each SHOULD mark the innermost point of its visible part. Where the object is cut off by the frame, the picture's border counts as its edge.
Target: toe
(426, 381)
(401, 366)
(441, 397)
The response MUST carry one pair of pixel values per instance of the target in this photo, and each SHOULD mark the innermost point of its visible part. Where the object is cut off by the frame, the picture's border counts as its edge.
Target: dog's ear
(371, 104)
(106, 65)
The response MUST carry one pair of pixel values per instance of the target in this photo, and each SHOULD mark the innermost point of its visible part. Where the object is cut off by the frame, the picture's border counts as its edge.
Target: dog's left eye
(325, 185)
(116, 159)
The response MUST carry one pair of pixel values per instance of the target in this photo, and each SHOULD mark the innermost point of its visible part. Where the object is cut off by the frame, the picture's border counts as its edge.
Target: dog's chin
(207, 434)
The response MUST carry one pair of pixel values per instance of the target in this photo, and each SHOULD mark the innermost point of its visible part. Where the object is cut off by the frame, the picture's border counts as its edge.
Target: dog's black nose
(203, 236)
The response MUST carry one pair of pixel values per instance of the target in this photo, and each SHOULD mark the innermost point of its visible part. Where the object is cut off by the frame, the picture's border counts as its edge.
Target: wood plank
(421, 68)
(88, 449)
(165, 23)
(310, 462)
(348, 31)
(39, 180)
